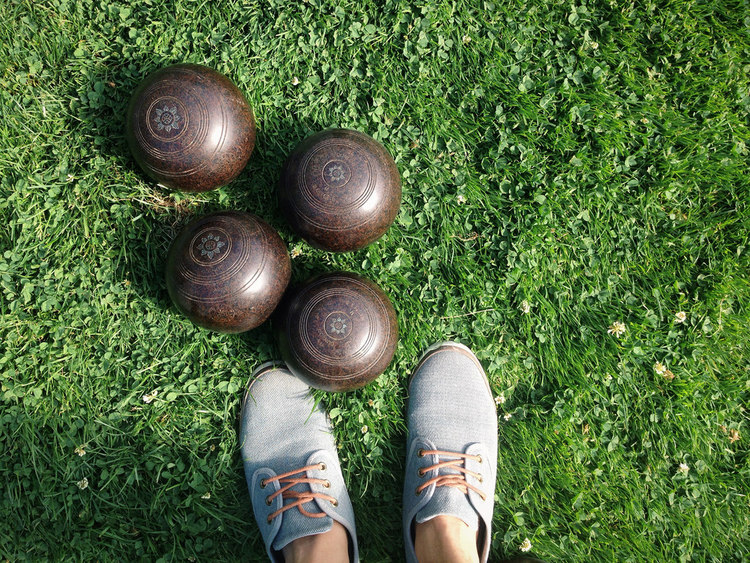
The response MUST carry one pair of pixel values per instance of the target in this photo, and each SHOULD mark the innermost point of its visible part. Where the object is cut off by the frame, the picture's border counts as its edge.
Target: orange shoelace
(457, 480)
(288, 480)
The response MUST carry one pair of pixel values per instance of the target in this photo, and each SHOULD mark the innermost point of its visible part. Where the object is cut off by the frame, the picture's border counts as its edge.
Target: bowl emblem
(338, 325)
(336, 173)
(167, 118)
(211, 245)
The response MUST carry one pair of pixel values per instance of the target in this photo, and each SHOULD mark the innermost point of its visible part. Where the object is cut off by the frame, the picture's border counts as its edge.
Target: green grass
(589, 160)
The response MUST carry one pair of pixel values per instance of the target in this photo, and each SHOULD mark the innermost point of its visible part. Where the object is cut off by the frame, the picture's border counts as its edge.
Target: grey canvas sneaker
(451, 460)
(291, 465)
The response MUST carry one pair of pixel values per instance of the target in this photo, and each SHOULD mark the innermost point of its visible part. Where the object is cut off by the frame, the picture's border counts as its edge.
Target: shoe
(291, 465)
(451, 458)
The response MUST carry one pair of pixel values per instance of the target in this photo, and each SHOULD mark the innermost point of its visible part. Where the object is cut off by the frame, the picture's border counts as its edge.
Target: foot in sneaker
(451, 450)
(292, 468)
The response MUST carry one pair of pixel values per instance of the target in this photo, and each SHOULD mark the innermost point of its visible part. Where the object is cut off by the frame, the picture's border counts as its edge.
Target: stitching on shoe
(444, 348)
(255, 376)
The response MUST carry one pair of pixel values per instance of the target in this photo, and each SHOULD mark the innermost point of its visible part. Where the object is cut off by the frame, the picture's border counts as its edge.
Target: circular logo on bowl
(210, 246)
(336, 173)
(338, 325)
(167, 118)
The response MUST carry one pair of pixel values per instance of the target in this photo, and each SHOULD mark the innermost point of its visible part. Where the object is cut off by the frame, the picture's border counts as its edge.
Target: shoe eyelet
(334, 502)
(323, 467)
(327, 484)
(262, 483)
(480, 458)
(269, 502)
(420, 472)
(480, 479)
(420, 452)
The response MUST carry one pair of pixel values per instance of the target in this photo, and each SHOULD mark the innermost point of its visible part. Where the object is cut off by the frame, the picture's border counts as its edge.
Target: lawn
(575, 209)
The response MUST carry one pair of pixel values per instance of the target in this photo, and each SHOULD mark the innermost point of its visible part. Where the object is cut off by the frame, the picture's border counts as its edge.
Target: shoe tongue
(450, 501)
(295, 525)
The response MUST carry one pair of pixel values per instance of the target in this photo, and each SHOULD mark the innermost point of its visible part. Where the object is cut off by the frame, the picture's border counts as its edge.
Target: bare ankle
(445, 539)
(329, 547)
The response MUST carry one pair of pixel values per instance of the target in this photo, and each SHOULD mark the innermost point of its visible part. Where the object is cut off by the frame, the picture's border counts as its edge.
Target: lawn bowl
(337, 332)
(227, 271)
(340, 190)
(190, 128)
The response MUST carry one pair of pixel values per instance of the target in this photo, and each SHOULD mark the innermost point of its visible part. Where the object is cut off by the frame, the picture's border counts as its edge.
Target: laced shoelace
(457, 480)
(299, 498)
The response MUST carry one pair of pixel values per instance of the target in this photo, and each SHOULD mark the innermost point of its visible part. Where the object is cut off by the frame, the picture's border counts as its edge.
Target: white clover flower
(507, 416)
(500, 399)
(295, 252)
(80, 451)
(466, 39)
(295, 81)
(617, 329)
(365, 429)
(680, 317)
(461, 199)
(683, 468)
(149, 397)
(525, 307)
(83, 483)
(525, 546)
(206, 496)
(662, 370)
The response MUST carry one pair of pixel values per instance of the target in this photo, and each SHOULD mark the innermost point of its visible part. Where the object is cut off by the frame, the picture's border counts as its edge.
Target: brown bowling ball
(227, 271)
(337, 332)
(340, 190)
(190, 128)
